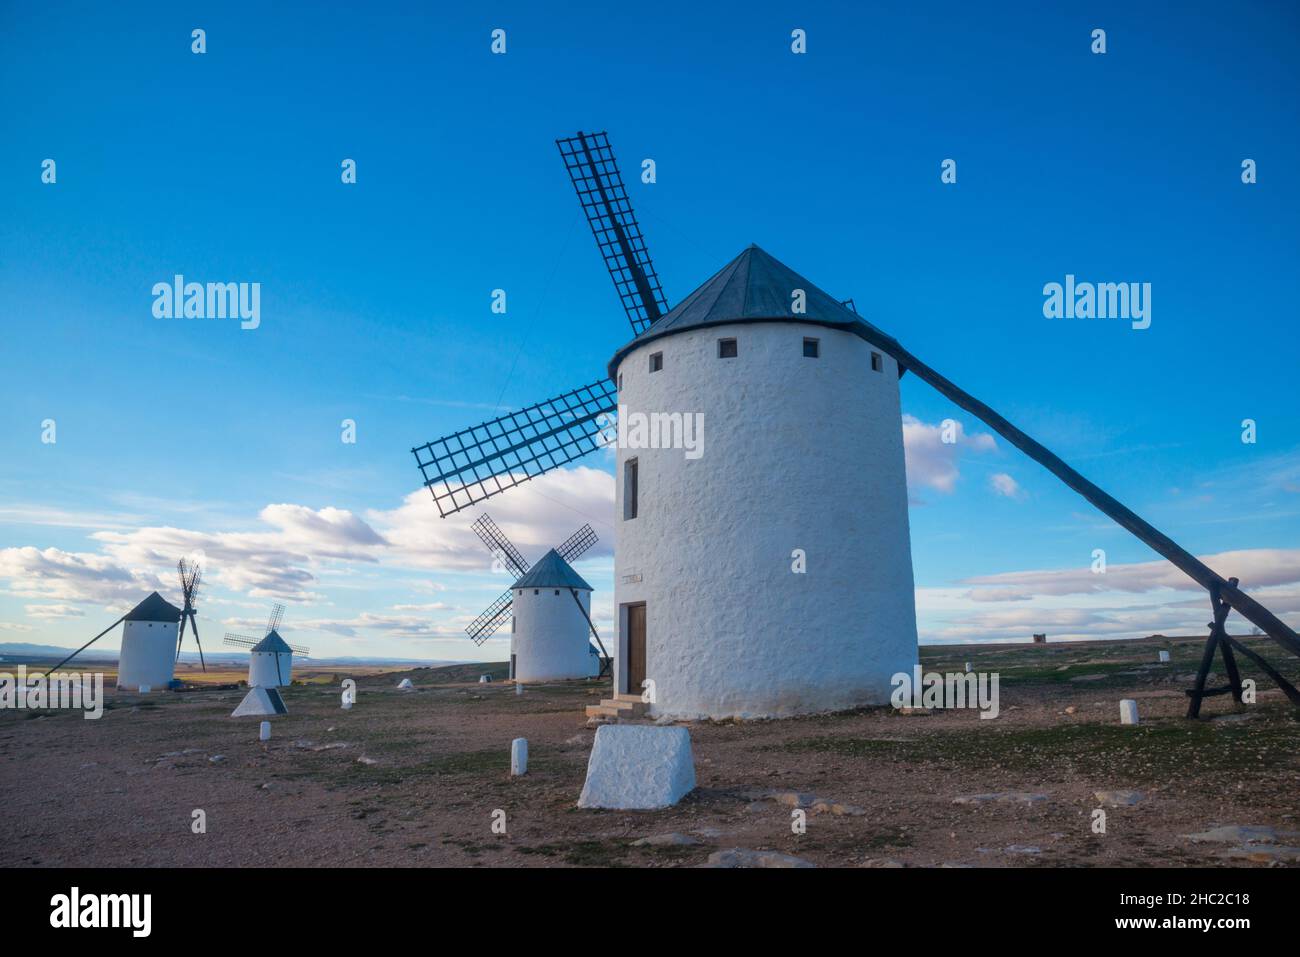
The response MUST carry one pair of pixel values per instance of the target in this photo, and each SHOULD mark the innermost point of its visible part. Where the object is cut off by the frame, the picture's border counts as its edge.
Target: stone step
(631, 707)
(602, 711)
(624, 696)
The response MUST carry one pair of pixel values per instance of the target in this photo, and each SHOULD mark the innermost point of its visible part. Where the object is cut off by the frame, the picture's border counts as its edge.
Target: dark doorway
(635, 647)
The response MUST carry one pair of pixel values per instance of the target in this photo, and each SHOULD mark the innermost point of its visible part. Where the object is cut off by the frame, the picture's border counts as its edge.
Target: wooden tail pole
(1193, 567)
(194, 624)
(604, 655)
(85, 646)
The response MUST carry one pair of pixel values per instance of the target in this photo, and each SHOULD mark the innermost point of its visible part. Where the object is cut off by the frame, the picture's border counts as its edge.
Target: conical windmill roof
(754, 287)
(154, 608)
(552, 571)
(273, 643)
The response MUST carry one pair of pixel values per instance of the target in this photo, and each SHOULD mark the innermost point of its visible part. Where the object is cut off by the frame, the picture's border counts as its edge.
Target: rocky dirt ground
(414, 778)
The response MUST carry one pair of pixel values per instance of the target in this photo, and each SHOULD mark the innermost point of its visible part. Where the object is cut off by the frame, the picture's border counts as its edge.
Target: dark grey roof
(154, 608)
(754, 287)
(552, 571)
(273, 642)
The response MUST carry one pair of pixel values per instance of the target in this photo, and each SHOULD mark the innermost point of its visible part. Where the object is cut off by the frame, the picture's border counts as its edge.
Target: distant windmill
(270, 661)
(190, 575)
(549, 640)
(805, 461)
(146, 658)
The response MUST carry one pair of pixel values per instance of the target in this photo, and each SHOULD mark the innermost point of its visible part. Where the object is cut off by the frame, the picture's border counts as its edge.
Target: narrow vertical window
(656, 361)
(727, 349)
(629, 488)
(877, 362)
(810, 349)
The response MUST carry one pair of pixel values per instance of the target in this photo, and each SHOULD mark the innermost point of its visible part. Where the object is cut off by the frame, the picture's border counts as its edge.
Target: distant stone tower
(772, 574)
(149, 637)
(550, 637)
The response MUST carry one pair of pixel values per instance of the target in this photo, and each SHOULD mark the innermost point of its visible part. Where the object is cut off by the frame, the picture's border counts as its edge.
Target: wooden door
(635, 648)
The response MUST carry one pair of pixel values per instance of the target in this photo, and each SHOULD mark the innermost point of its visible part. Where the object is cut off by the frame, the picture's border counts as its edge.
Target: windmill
(148, 632)
(699, 574)
(270, 660)
(548, 641)
(190, 575)
(142, 661)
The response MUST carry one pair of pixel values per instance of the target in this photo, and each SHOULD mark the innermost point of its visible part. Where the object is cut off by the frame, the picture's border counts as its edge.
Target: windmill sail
(240, 641)
(498, 544)
(577, 543)
(591, 165)
(474, 464)
(493, 617)
(190, 574)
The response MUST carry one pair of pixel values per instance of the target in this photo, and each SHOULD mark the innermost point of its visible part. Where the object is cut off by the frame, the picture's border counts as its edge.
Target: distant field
(224, 673)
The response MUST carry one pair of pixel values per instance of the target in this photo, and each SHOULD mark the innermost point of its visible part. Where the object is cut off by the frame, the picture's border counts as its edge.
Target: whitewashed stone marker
(1128, 711)
(1164, 656)
(638, 767)
(405, 685)
(145, 689)
(485, 679)
(264, 731)
(519, 688)
(518, 757)
(968, 668)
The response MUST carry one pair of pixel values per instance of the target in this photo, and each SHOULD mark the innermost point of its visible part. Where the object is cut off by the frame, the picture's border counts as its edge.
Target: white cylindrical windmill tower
(552, 605)
(270, 662)
(766, 571)
(149, 635)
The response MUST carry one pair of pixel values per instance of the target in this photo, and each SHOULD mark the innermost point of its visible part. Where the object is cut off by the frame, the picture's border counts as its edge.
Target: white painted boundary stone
(1128, 711)
(405, 685)
(145, 689)
(485, 679)
(519, 688)
(264, 731)
(518, 757)
(638, 767)
(1164, 656)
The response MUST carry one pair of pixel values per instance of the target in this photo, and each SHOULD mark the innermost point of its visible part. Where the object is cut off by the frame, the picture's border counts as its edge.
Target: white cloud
(53, 573)
(1256, 567)
(271, 564)
(316, 556)
(1005, 485)
(53, 612)
(1126, 601)
(535, 516)
(932, 462)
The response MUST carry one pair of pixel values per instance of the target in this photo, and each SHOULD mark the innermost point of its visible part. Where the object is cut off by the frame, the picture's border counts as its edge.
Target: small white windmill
(270, 660)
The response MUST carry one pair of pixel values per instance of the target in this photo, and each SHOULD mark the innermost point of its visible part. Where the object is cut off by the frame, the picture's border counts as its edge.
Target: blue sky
(376, 296)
